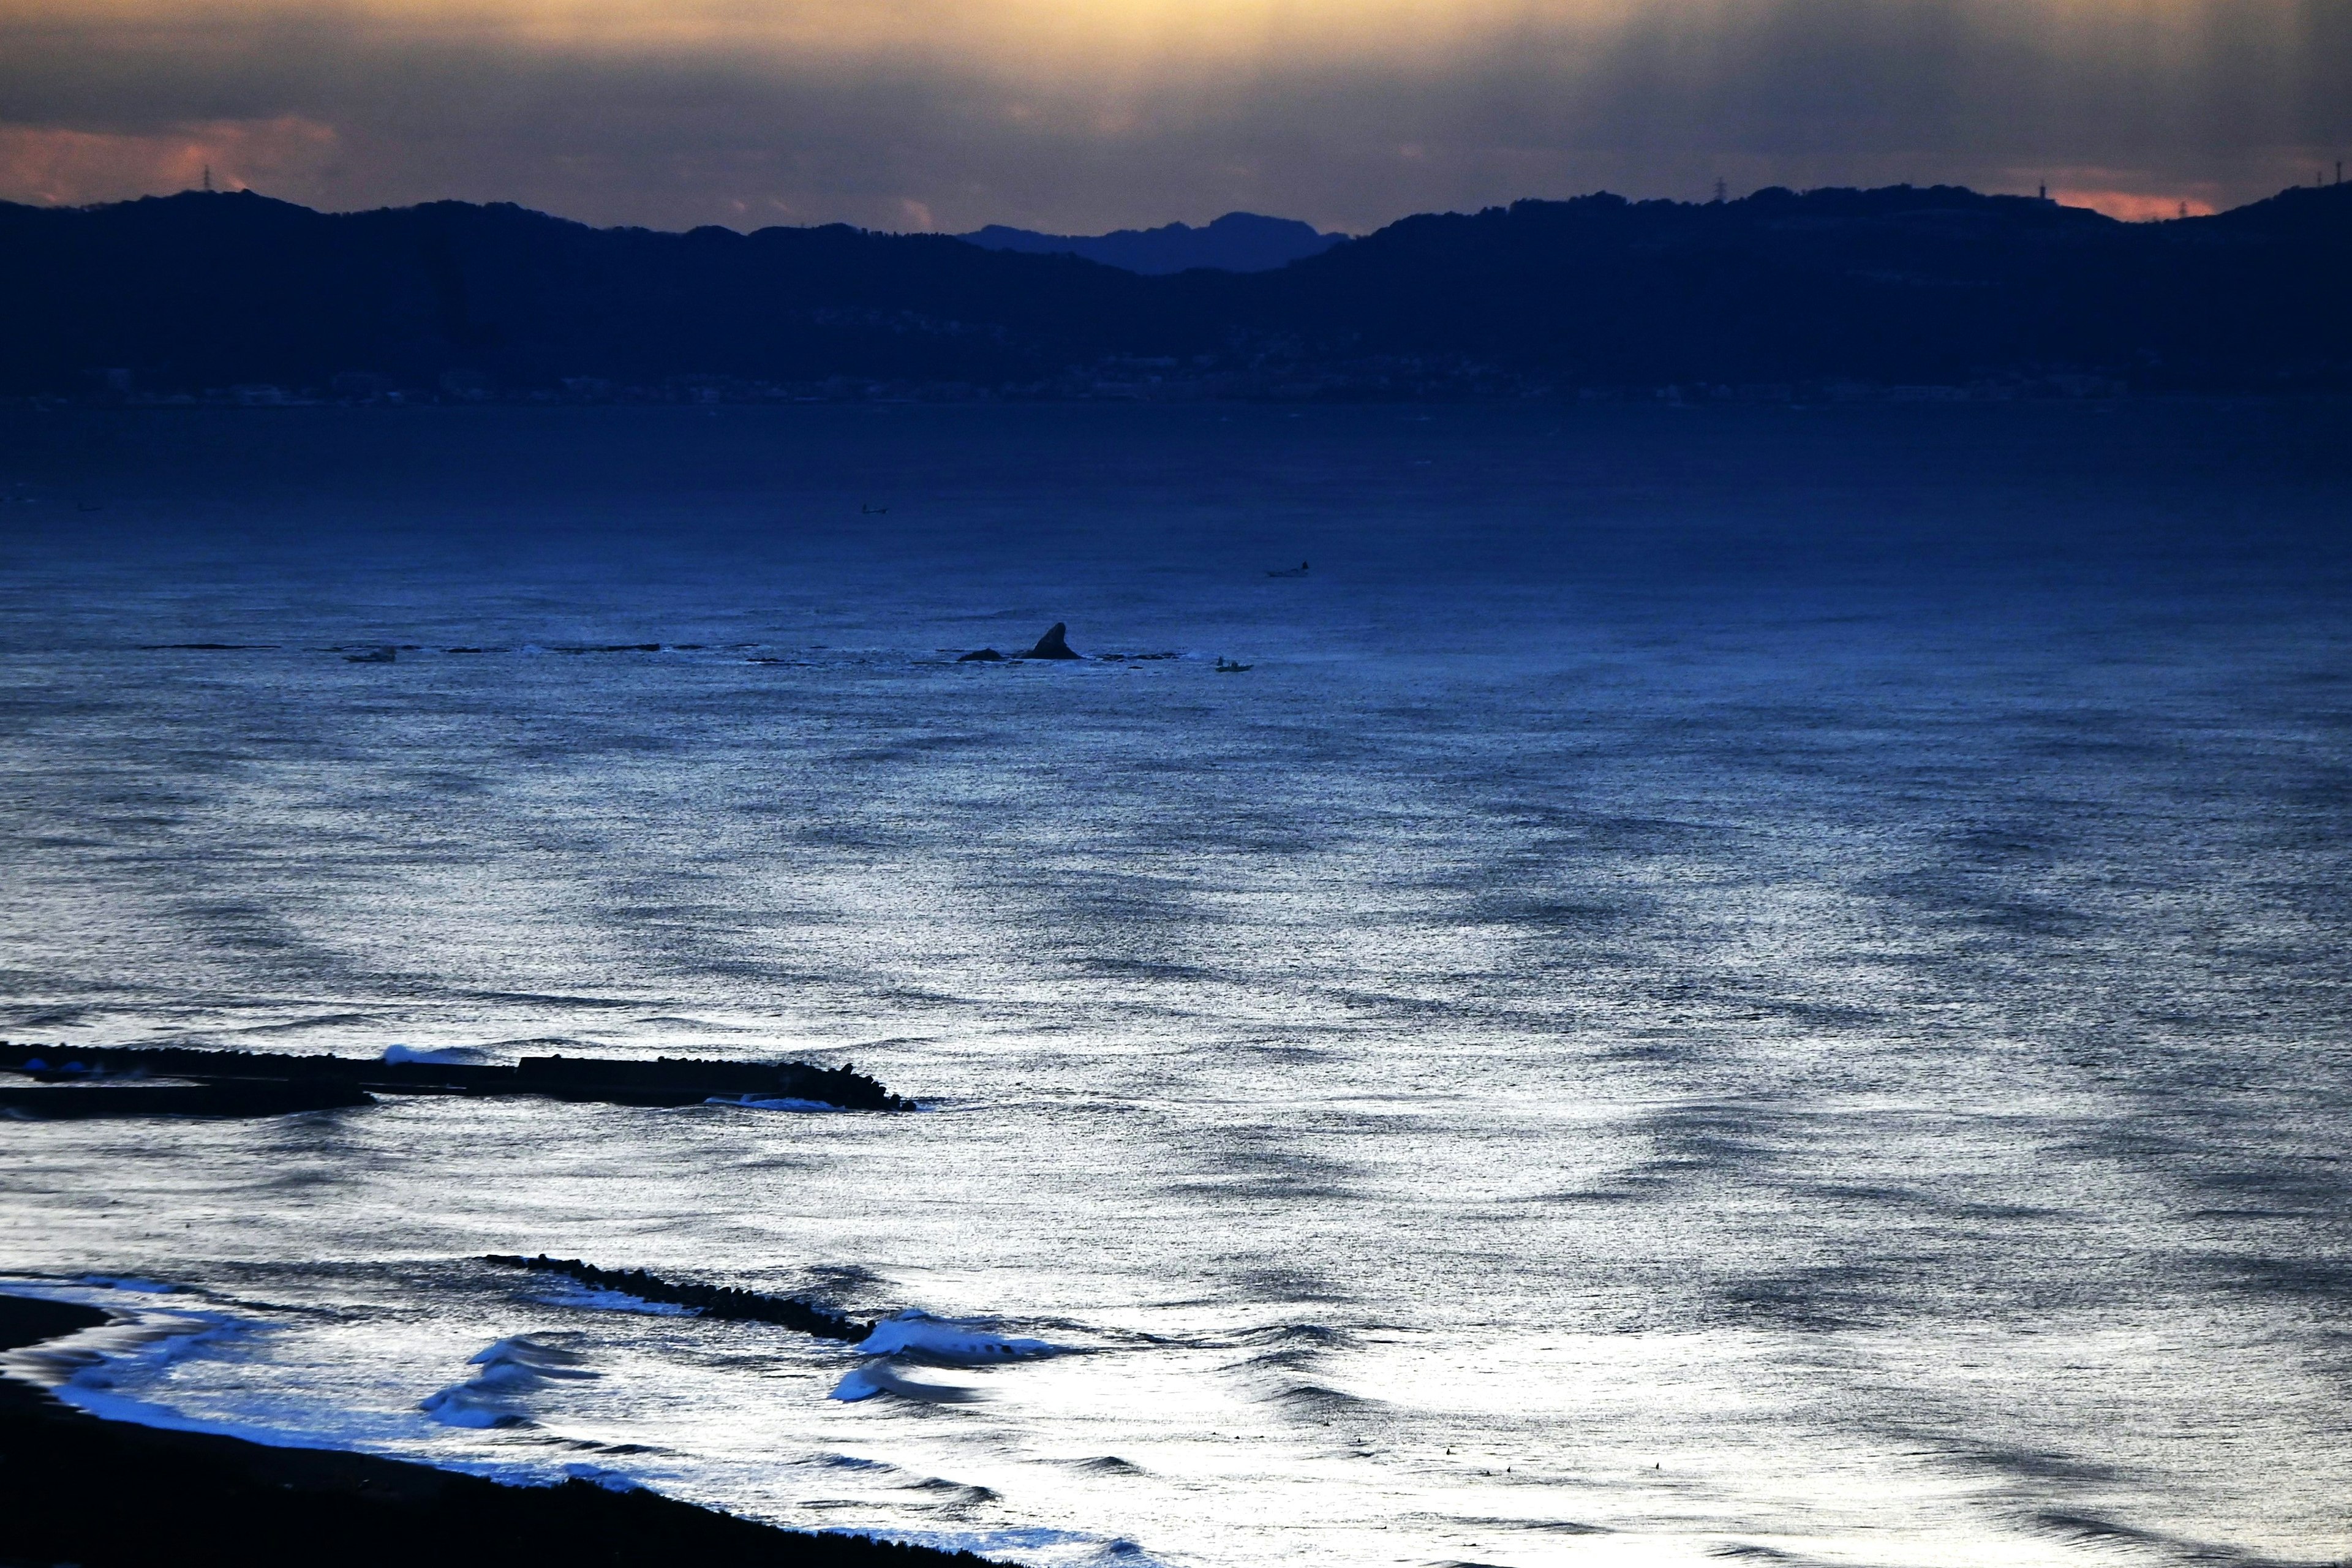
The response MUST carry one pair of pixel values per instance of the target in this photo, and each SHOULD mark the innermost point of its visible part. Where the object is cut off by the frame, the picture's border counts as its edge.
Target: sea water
(1726, 982)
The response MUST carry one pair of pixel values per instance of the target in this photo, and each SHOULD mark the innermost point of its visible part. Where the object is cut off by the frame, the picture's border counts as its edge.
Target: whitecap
(450, 1055)
(133, 1345)
(600, 1300)
(922, 1337)
(878, 1376)
(523, 1356)
(611, 1480)
(510, 1368)
(463, 1405)
(110, 1369)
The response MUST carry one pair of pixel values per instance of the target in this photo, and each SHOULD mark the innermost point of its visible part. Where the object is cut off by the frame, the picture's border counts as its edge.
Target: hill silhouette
(1237, 242)
(1900, 286)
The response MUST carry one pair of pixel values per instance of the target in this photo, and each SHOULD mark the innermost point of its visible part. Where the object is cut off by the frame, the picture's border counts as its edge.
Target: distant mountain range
(1237, 242)
(1937, 291)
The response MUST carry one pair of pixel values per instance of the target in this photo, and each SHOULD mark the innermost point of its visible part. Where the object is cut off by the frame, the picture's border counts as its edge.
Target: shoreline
(76, 1489)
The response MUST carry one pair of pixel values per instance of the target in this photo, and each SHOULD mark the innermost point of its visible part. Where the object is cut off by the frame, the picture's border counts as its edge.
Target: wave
(849, 1462)
(510, 1369)
(754, 1102)
(140, 1334)
(1291, 1345)
(878, 1377)
(311, 1021)
(441, 1057)
(591, 1298)
(1317, 1399)
(597, 1475)
(953, 1494)
(1545, 1526)
(1028, 1543)
(113, 1370)
(909, 1337)
(96, 1369)
(918, 1336)
(94, 1360)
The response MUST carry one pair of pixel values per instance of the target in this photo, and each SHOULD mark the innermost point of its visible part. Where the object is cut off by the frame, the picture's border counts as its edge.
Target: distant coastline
(1903, 293)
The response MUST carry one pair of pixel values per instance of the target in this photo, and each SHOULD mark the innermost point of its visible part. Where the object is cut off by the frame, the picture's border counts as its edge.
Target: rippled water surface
(1755, 982)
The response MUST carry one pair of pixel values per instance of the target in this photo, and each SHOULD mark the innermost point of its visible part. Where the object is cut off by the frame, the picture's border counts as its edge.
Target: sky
(1077, 116)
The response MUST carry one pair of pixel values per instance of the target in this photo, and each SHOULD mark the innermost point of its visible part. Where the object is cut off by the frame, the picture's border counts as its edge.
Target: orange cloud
(65, 167)
(2136, 206)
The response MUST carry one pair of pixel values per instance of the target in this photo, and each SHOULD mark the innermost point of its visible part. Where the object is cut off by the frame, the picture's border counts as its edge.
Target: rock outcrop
(1055, 644)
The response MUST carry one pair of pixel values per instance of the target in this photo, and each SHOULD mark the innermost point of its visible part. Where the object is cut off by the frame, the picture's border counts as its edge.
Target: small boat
(1227, 666)
(1298, 570)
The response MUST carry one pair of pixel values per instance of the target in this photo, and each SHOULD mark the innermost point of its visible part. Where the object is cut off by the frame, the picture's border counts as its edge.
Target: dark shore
(108, 1494)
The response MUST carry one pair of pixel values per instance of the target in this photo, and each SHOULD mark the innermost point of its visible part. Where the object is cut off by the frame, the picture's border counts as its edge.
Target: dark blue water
(1727, 982)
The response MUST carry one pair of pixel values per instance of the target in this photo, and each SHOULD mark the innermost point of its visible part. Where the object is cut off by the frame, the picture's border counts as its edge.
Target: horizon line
(2184, 209)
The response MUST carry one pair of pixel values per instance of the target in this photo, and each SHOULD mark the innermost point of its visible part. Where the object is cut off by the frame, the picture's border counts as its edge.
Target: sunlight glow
(2136, 206)
(1026, 34)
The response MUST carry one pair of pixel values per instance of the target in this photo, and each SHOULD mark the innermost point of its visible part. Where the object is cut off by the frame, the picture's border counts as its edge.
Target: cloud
(2132, 206)
(49, 164)
(1083, 114)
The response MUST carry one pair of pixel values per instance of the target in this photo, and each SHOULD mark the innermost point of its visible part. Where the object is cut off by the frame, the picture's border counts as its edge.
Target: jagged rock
(981, 655)
(1055, 644)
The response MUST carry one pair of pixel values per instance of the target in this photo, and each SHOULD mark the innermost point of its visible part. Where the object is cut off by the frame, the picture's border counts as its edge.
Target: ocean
(1725, 982)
